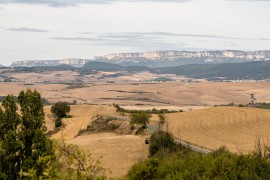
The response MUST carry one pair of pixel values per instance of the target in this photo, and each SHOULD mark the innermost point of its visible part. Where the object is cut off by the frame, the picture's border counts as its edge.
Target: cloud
(137, 39)
(78, 39)
(64, 3)
(27, 30)
(126, 40)
(166, 34)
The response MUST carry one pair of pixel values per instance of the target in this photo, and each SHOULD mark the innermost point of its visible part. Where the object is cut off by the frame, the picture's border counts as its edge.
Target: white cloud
(65, 3)
(23, 29)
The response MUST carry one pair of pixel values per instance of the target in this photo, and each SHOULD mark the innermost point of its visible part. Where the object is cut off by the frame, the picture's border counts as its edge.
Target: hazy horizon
(57, 29)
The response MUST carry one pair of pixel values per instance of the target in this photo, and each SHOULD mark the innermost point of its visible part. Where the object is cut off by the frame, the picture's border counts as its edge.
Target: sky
(57, 29)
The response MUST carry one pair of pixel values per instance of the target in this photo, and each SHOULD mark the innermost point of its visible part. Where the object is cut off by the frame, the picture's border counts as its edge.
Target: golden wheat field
(235, 127)
(117, 153)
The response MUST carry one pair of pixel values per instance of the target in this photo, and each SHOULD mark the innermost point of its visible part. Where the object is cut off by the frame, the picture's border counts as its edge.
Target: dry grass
(118, 152)
(236, 128)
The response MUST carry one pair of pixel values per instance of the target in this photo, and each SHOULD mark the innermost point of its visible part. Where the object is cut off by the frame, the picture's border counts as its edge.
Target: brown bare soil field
(149, 94)
(237, 128)
(116, 152)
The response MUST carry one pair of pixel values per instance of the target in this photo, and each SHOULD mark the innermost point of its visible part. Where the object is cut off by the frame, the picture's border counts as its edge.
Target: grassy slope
(118, 153)
(237, 128)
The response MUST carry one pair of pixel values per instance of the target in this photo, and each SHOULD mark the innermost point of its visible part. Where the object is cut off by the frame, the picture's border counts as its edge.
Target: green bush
(144, 170)
(58, 123)
(140, 118)
(187, 164)
(161, 141)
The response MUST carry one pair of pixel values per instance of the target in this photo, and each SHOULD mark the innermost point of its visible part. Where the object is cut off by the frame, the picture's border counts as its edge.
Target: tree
(24, 146)
(10, 144)
(140, 118)
(60, 109)
(162, 120)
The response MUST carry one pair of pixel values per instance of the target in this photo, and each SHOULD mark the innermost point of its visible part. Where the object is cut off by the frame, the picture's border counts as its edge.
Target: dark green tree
(24, 146)
(140, 118)
(60, 109)
(10, 145)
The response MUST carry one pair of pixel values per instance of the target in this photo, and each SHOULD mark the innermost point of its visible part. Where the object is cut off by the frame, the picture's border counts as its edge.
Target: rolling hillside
(250, 70)
(236, 128)
(117, 153)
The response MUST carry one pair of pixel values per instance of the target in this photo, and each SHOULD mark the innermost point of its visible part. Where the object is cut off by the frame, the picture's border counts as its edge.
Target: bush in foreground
(186, 164)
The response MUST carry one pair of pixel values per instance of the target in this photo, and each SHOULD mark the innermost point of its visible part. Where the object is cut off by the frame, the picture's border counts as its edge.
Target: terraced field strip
(236, 128)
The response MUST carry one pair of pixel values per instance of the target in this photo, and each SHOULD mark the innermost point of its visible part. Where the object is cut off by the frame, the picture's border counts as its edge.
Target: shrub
(58, 123)
(140, 118)
(220, 164)
(161, 141)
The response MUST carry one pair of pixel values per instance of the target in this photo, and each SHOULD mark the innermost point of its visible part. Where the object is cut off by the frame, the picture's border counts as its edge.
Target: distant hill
(251, 70)
(137, 68)
(102, 66)
(258, 70)
(1, 66)
(45, 68)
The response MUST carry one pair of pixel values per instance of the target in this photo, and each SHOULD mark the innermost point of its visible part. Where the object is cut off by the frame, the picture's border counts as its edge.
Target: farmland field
(236, 128)
(117, 153)
(201, 123)
(149, 94)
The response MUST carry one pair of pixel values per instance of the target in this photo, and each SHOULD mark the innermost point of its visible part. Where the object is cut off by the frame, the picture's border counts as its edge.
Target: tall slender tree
(24, 146)
(10, 145)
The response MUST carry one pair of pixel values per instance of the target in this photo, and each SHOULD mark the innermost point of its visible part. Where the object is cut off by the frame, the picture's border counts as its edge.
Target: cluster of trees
(152, 111)
(27, 153)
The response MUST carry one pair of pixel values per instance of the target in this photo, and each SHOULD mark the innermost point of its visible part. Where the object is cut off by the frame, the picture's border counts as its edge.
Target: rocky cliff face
(68, 61)
(173, 55)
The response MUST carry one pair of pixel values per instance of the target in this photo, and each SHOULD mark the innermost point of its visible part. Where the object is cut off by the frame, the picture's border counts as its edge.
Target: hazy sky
(55, 29)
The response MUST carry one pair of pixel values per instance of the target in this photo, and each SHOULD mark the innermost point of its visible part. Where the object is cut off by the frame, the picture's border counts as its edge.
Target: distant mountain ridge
(1, 65)
(258, 70)
(171, 55)
(68, 61)
(159, 58)
(174, 58)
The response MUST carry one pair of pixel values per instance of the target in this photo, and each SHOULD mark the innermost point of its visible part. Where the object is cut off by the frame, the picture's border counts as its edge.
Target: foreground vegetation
(27, 153)
(171, 161)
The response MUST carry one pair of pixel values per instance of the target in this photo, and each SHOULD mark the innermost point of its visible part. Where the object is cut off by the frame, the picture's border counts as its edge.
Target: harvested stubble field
(236, 128)
(116, 152)
(150, 94)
